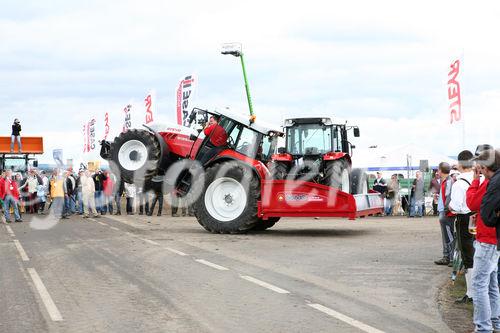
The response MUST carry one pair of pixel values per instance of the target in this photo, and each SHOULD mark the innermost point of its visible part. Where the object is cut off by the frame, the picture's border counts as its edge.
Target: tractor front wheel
(336, 175)
(359, 181)
(229, 202)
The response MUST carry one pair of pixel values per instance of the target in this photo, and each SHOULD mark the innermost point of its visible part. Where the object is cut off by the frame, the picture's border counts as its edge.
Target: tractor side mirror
(193, 137)
(35, 163)
(356, 132)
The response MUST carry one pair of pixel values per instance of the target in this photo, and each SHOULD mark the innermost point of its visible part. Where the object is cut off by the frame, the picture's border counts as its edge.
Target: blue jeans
(13, 139)
(98, 195)
(79, 202)
(485, 286)
(418, 205)
(7, 202)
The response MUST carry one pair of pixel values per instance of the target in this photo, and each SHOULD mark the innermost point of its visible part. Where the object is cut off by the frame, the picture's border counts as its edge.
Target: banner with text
(106, 126)
(150, 103)
(185, 93)
(127, 120)
(454, 97)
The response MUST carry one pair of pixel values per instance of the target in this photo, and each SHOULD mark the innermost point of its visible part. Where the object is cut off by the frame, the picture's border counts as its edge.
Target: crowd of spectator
(468, 202)
(86, 193)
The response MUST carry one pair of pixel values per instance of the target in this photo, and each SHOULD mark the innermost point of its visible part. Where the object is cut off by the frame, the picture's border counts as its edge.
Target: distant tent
(397, 159)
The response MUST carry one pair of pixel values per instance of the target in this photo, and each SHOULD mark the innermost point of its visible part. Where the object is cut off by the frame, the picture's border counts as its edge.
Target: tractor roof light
(233, 49)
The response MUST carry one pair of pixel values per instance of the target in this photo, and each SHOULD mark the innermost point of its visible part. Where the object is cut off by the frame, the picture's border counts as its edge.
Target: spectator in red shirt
(108, 190)
(11, 197)
(484, 276)
(217, 139)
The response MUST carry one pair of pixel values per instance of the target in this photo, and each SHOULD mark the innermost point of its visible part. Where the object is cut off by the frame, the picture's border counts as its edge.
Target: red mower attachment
(294, 198)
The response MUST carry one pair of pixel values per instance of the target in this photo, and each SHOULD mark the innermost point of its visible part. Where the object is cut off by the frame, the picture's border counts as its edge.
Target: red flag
(454, 98)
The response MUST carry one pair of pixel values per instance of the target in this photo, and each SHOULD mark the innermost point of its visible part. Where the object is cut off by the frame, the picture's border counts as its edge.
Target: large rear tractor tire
(228, 203)
(135, 156)
(359, 181)
(336, 175)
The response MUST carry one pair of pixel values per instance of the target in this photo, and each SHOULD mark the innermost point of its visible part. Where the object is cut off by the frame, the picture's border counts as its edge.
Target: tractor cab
(312, 138)
(317, 150)
(245, 136)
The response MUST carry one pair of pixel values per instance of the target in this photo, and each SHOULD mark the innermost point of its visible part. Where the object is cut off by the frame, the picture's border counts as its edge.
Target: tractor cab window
(337, 140)
(309, 139)
(267, 148)
(247, 142)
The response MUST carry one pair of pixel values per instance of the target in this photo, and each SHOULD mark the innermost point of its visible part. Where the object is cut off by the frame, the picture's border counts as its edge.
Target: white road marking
(175, 251)
(345, 319)
(149, 241)
(51, 307)
(21, 251)
(101, 223)
(9, 231)
(131, 234)
(211, 264)
(265, 284)
(115, 228)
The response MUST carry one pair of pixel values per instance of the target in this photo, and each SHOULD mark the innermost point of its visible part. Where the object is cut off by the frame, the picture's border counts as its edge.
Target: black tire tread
(243, 223)
(154, 155)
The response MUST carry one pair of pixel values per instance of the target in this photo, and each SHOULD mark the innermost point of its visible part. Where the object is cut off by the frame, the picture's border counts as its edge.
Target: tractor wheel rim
(346, 185)
(132, 155)
(225, 199)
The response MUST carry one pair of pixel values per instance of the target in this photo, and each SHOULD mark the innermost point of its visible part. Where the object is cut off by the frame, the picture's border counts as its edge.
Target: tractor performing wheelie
(229, 185)
(230, 174)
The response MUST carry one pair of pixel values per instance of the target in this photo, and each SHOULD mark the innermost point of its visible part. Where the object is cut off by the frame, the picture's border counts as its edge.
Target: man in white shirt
(459, 207)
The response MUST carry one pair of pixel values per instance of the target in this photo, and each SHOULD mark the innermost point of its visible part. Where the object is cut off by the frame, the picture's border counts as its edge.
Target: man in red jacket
(484, 276)
(217, 141)
(11, 197)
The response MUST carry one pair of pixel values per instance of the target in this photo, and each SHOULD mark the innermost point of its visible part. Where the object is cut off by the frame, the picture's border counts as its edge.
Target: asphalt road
(159, 274)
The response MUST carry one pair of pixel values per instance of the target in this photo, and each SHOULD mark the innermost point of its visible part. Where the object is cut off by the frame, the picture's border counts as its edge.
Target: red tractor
(319, 151)
(233, 191)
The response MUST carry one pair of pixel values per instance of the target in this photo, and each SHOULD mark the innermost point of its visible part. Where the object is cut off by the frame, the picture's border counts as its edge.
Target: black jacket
(16, 129)
(490, 206)
(99, 179)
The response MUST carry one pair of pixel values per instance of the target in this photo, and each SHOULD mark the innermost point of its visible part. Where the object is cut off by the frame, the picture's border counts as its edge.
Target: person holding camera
(16, 136)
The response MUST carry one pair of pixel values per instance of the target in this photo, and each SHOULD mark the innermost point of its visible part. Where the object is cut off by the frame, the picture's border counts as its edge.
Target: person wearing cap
(484, 276)
(458, 206)
(379, 184)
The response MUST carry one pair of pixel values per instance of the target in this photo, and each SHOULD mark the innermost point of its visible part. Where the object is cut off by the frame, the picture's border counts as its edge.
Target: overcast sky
(381, 65)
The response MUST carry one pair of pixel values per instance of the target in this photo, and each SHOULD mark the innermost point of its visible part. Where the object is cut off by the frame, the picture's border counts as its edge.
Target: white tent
(400, 159)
